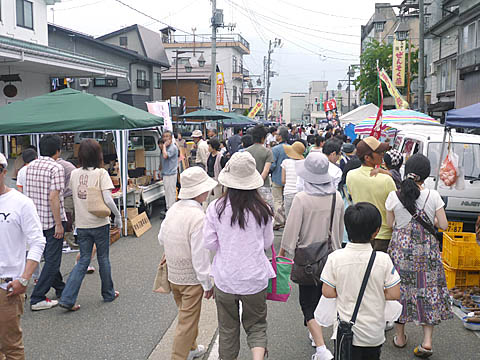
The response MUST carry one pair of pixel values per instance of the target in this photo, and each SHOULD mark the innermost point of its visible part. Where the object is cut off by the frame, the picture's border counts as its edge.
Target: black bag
(344, 342)
(309, 261)
(426, 223)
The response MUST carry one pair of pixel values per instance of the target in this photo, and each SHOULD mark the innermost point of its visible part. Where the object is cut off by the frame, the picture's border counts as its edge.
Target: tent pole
(441, 157)
(125, 177)
(5, 146)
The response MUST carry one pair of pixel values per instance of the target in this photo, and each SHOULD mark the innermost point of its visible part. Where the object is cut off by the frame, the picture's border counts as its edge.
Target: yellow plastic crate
(461, 251)
(461, 278)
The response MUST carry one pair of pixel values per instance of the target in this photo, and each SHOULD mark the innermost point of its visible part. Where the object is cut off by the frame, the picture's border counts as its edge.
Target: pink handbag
(279, 288)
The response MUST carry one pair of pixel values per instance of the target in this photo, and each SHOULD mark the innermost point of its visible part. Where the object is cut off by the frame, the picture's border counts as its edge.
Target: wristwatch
(23, 281)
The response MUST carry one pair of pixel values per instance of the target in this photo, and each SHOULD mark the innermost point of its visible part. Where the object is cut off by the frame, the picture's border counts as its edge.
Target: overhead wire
(321, 12)
(79, 6)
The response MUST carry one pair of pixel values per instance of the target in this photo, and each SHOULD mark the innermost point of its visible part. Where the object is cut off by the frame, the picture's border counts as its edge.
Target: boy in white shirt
(343, 274)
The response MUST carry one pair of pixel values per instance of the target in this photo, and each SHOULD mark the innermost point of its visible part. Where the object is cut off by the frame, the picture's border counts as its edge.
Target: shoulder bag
(426, 223)
(95, 203)
(344, 342)
(309, 261)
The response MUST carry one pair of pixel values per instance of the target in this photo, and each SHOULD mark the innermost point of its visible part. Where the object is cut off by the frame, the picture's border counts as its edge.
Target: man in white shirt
(343, 274)
(202, 149)
(19, 226)
(333, 150)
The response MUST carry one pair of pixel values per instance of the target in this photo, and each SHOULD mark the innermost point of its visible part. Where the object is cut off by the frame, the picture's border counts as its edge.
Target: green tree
(367, 81)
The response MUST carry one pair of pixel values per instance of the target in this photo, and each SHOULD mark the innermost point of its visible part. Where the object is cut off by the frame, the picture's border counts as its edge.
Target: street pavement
(140, 324)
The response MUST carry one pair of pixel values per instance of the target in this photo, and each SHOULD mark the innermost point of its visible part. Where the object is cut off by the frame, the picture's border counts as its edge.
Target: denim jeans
(50, 275)
(86, 238)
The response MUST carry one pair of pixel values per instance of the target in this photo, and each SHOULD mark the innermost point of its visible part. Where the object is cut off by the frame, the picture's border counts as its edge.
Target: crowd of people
(317, 185)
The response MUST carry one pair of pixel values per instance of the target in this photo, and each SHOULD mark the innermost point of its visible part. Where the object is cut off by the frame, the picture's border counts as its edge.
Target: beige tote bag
(161, 284)
(95, 203)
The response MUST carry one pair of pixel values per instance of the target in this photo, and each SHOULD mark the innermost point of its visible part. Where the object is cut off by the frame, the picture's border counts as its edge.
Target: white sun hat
(194, 181)
(197, 133)
(241, 173)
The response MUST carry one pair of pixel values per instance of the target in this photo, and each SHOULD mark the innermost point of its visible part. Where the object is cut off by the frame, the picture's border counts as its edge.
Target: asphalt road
(133, 325)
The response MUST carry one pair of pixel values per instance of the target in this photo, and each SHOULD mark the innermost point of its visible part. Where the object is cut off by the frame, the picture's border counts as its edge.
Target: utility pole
(421, 66)
(213, 79)
(275, 44)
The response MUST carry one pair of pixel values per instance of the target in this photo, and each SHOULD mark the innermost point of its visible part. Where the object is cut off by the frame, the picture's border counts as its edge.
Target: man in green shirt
(263, 159)
(364, 186)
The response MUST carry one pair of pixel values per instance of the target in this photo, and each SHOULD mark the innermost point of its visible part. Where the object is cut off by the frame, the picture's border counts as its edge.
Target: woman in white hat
(187, 261)
(309, 222)
(238, 227)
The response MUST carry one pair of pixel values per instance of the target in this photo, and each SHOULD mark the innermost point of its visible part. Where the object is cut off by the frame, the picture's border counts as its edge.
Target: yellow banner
(220, 88)
(400, 102)
(255, 110)
(398, 66)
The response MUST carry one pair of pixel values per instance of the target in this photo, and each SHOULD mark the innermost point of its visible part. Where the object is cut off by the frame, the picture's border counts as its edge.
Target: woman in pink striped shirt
(238, 227)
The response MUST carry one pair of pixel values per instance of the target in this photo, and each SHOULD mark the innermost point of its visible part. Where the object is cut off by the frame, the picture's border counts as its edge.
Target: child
(343, 275)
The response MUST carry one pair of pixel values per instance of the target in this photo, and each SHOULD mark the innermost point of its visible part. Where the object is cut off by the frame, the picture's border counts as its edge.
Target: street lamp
(188, 69)
(401, 31)
(259, 82)
(339, 86)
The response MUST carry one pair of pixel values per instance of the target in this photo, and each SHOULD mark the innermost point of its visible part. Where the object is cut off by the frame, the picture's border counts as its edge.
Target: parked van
(463, 206)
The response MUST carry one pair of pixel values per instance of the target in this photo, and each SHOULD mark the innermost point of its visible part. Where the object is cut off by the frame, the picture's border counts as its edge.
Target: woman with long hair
(416, 255)
(238, 227)
(91, 229)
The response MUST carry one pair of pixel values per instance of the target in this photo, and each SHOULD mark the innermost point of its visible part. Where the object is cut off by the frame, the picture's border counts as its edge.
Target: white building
(293, 105)
(230, 51)
(27, 63)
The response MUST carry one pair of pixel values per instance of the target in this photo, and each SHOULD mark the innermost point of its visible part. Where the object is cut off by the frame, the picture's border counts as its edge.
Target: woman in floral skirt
(416, 255)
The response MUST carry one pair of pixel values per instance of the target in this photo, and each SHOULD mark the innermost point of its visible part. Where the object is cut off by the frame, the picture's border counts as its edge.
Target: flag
(377, 128)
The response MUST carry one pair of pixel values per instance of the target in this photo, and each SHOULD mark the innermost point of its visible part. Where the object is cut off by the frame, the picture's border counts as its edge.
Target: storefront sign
(398, 66)
(400, 102)
(162, 109)
(329, 105)
(220, 88)
(255, 110)
(141, 224)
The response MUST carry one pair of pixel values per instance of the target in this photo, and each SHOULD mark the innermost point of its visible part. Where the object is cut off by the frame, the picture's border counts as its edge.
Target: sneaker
(199, 351)
(44, 305)
(311, 338)
(90, 270)
(324, 354)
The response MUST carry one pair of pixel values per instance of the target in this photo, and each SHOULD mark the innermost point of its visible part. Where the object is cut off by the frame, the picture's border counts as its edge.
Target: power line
(80, 6)
(320, 12)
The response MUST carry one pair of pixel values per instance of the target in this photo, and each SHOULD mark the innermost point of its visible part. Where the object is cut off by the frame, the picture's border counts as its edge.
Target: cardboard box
(76, 147)
(129, 226)
(131, 213)
(114, 235)
(141, 224)
(140, 158)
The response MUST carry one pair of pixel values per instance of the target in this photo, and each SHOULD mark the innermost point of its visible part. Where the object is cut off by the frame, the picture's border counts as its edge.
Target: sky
(319, 38)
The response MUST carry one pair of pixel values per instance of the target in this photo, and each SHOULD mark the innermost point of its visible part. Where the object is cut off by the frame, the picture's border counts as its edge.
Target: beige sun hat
(241, 173)
(197, 133)
(295, 151)
(194, 182)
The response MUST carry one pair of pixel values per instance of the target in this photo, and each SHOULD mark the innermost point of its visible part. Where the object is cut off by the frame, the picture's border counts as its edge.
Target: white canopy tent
(359, 114)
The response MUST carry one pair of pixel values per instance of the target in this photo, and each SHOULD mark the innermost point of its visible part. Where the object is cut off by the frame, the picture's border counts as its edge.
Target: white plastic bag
(326, 311)
(393, 310)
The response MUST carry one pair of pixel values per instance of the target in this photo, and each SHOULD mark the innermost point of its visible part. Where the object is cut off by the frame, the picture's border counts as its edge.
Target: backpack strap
(332, 214)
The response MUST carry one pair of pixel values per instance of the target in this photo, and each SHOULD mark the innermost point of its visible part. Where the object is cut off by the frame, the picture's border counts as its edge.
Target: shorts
(309, 297)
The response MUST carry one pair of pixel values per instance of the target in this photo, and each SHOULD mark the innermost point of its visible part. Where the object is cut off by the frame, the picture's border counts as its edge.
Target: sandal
(69, 308)
(421, 352)
(395, 343)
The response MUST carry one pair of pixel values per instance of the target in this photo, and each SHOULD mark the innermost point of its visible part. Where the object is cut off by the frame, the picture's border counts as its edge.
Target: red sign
(329, 105)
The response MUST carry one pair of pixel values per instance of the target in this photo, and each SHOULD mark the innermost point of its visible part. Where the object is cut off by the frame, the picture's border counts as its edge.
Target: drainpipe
(129, 80)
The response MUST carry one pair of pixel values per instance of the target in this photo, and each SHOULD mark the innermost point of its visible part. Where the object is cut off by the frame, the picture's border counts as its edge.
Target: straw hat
(314, 169)
(370, 145)
(295, 151)
(197, 133)
(195, 181)
(241, 173)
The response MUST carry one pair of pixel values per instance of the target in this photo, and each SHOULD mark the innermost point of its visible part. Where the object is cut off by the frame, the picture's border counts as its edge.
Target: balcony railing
(469, 58)
(207, 38)
(143, 84)
(240, 73)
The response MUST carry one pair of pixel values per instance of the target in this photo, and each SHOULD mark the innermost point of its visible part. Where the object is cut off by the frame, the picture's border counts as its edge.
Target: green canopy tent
(205, 114)
(70, 110)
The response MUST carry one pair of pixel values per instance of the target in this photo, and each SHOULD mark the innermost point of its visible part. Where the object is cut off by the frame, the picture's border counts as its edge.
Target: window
(390, 39)
(447, 75)
(142, 82)
(145, 142)
(234, 64)
(25, 14)
(123, 41)
(157, 80)
(105, 82)
(469, 41)
(141, 75)
(469, 158)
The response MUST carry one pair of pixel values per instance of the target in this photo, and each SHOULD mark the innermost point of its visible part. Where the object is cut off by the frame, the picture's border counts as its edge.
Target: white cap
(197, 133)
(3, 160)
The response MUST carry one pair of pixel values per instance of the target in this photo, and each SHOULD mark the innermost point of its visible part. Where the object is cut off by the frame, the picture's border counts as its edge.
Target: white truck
(462, 206)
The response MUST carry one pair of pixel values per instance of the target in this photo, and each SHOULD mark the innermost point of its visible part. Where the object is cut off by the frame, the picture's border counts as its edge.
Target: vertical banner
(220, 88)
(398, 66)
(400, 102)
(377, 127)
(255, 110)
(162, 109)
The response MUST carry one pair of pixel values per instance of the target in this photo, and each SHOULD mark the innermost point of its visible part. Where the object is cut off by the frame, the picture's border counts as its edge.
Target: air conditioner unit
(84, 82)
(431, 69)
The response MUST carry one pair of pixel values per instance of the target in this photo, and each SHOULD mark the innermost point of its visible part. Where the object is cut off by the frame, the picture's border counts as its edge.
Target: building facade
(293, 106)
(230, 51)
